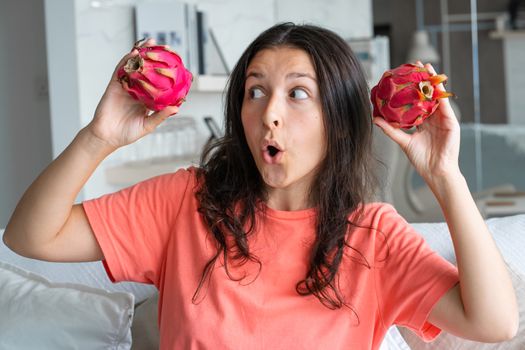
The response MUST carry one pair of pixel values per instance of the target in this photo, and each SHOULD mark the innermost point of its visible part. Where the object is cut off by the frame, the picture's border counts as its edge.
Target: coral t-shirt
(152, 233)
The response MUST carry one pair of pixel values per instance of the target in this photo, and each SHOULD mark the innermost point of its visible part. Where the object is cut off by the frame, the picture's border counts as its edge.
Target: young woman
(273, 243)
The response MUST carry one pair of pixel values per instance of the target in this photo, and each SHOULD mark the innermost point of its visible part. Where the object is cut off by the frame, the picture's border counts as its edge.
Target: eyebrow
(291, 75)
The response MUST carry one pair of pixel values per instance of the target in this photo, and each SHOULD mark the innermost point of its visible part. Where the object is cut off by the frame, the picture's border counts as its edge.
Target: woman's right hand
(119, 119)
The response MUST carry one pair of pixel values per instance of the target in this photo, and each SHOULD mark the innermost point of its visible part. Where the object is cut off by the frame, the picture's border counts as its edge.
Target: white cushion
(507, 233)
(394, 340)
(38, 314)
(90, 274)
(450, 342)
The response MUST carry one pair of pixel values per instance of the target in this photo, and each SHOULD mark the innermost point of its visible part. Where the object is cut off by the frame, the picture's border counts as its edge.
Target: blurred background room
(56, 57)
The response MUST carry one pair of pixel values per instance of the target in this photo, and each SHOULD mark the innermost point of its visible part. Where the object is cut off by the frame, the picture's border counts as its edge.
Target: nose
(272, 117)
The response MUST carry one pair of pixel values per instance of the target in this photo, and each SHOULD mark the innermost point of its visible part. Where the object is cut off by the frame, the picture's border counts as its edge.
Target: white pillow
(450, 342)
(90, 274)
(38, 314)
(507, 233)
(394, 340)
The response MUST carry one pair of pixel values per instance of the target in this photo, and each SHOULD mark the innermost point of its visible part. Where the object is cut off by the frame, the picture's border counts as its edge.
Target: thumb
(155, 119)
(399, 136)
(444, 104)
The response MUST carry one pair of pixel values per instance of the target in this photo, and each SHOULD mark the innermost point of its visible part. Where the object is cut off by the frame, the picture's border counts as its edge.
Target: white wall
(348, 18)
(63, 72)
(25, 140)
(85, 43)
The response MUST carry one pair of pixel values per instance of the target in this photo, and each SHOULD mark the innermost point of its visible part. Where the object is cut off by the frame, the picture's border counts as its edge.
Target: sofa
(74, 305)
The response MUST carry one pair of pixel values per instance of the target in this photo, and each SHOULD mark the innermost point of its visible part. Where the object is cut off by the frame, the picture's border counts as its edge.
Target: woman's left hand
(433, 148)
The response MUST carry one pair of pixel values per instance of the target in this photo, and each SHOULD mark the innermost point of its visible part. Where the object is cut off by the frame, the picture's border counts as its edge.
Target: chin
(275, 180)
(280, 176)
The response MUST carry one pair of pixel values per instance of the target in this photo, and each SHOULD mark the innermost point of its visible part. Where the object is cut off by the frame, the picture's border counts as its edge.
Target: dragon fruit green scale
(156, 77)
(407, 95)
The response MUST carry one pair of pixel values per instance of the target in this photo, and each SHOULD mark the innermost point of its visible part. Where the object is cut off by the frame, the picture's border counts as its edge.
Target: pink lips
(266, 152)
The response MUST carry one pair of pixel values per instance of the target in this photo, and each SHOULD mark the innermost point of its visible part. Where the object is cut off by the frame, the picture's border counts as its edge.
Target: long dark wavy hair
(231, 189)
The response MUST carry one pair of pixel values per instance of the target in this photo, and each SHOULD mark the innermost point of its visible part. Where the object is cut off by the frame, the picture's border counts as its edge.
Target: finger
(444, 102)
(139, 42)
(156, 118)
(150, 42)
(125, 87)
(396, 134)
(144, 42)
(432, 71)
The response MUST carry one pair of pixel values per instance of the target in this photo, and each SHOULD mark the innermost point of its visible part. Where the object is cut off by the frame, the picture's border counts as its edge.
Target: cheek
(319, 139)
(249, 129)
(244, 120)
(309, 138)
(247, 117)
(314, 129)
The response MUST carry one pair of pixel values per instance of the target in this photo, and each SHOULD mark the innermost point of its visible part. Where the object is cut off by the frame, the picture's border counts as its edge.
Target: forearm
(486, 288)
(47, 203)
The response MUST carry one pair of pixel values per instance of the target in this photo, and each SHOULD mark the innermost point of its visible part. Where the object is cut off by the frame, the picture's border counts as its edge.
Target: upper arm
(75, 242)
(449, 315)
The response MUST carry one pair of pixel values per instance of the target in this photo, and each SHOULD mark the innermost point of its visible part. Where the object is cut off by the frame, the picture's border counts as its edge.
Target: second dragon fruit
(407, 95)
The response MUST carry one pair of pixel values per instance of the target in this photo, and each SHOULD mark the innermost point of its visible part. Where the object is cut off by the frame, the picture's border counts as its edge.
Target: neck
(288, 200)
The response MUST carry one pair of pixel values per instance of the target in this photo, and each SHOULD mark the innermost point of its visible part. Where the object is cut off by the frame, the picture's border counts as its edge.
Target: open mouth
(272, 151)
(272, 154)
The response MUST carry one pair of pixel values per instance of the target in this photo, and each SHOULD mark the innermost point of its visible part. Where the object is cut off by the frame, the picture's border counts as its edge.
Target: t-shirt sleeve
(411, 278)
(133, 226)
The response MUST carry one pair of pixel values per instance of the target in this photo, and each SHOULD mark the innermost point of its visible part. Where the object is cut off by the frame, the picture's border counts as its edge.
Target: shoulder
(174, 180)
(376, 214)
(381, 223)
(375, 223)
(182, 174)
(161, 189)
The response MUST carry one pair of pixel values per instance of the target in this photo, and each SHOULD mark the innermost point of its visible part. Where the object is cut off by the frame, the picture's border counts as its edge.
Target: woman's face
(282, 119)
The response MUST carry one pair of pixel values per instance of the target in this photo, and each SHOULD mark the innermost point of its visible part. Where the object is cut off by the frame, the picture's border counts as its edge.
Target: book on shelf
(211, 57)
(191, 28)
(202, 41)
(172, 24)
(186, 30)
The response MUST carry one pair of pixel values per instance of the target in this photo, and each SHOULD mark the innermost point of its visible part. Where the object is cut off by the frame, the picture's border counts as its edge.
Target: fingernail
(139, 42)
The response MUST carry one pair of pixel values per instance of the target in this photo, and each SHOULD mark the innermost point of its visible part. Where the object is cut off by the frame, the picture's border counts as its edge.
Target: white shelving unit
(209, 83)
(507, 34)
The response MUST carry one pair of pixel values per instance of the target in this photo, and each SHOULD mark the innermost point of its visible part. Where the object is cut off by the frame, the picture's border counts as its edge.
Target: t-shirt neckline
(289, 214)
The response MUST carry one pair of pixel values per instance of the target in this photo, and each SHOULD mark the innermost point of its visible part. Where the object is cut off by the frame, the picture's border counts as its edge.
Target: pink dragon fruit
(156, 76)
(407, 95)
